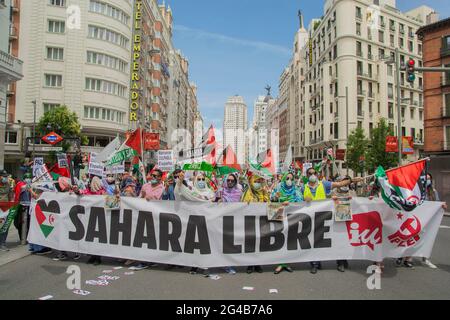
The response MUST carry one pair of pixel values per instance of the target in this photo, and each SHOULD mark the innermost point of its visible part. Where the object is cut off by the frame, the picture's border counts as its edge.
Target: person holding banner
(286, 192)
(6, 195)
(155, 188)
(316, 190)
(256, 192)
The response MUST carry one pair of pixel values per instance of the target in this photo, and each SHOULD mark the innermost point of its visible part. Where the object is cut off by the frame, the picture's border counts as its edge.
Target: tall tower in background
(235, 127)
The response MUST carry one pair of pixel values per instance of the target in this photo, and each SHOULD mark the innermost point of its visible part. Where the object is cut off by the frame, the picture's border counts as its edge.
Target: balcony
(358, 16)
(411, 34)
(370, 56)
(336, 115)
(382, 25)
(392, 28)
(359, 53)
(360, 114)
(445, 82)
(371, 95)
(361, 93)
(418, 142)
(401, 31)
(10, 67)
(365, 75)
(447, 145)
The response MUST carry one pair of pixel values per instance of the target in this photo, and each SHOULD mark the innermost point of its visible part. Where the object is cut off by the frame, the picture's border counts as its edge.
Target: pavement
(32, 277)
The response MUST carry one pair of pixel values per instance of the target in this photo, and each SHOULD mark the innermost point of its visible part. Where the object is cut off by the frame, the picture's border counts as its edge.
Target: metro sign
(52, 138)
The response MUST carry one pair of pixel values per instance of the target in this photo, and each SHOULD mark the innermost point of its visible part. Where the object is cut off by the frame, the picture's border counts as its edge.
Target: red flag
(230, 159)
(60, 171)
(134, 141)
(268, 162)
(209, 146)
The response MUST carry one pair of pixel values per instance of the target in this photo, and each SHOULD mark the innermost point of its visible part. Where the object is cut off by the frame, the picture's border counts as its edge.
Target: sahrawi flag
(209, 146)
(403, 188)
(8, 211)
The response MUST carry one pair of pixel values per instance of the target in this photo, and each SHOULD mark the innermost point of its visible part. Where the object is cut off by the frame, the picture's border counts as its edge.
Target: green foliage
(376, 155)
(356, 148)
(62, 121)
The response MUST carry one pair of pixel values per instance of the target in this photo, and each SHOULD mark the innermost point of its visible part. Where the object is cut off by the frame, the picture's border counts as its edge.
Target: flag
(8, 211)
(202, 166)
(56, 172)
(45, 220)
(287, 160)
(229, 159)
(265, 159)
(403, 188)
(209, 145)
(109, 150)
(259, 170)
(134, 141)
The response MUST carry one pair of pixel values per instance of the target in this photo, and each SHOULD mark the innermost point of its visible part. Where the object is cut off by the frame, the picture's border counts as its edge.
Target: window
(390, 91)
(410, 46)
(358, 13)
(391, 110)
(55, 26)
(358, 49)
(55, 53)
(107, 61)
(420, 115)
(109, 10)
(390, 70)
(401, 43)
(50, 106)
(105, 114)
(412, 113)
(11, 137)
(391, 37)
(58, 3)
(358, 29)
(108, 35)
(53, 80)
(381, 36)
(447, 106)
(447, 137)
(105, 87)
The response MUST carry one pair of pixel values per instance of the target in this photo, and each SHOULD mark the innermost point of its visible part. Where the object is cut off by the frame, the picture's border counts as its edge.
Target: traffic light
(411, 69)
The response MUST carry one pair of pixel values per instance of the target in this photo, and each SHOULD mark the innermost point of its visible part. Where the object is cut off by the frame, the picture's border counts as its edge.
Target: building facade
(10, 71)
(259, 132)
(436, 53)
(348, 47)
(87, 55)
(235, 127)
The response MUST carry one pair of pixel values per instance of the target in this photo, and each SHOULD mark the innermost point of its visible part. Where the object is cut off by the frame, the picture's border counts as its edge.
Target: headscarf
(252, 195)
(64, 184)
(233, 194)
(194, 193)
(129, 187)
(288, 193)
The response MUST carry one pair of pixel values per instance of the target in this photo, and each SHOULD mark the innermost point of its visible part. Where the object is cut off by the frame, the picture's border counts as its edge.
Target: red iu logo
(408, 235)
(366, 229)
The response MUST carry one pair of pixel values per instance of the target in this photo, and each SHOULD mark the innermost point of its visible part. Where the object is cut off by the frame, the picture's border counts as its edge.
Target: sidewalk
(16, 250)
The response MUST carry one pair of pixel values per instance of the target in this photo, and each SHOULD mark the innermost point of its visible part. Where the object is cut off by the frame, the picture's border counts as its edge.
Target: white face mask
(110, 179)
(313, 179)
(257, 186)
(201, 184)
(289, 183)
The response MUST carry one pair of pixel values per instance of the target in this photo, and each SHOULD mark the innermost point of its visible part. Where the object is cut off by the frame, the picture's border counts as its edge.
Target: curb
(14, 254)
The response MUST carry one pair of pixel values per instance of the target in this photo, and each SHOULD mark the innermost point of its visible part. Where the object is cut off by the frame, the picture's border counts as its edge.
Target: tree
(356, 149)
(64, 122)
(376, 155)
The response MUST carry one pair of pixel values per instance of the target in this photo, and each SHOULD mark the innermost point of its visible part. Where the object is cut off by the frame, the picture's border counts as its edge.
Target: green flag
(121, 156)
(202, 166)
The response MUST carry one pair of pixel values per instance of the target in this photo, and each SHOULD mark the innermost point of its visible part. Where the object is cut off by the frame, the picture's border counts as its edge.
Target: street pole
(399, 111)
(346, 119)
(34, 127)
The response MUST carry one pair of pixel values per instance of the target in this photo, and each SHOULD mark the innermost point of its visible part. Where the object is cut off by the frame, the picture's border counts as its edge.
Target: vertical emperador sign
(136, 55)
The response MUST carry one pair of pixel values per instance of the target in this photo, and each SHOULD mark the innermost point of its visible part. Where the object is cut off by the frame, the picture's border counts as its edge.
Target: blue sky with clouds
(240, 46)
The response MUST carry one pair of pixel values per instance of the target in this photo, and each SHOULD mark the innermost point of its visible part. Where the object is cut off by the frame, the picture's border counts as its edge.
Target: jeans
(3, 237)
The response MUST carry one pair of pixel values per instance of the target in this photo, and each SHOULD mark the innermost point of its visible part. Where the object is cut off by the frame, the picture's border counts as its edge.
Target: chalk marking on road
(46, 297)
(444, 227)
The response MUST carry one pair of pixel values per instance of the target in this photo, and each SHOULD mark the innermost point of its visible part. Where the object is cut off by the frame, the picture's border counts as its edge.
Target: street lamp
(34, 126)
(346, 117)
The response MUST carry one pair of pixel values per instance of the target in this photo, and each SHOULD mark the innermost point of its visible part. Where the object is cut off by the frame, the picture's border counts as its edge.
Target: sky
(237, 47)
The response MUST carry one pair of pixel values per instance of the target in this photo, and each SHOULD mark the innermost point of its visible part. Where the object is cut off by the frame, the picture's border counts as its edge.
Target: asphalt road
(33, 277)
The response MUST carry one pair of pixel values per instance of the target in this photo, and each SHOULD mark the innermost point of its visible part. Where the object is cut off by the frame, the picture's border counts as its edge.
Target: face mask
(201, 184)
(4, 180)
(428, 183)
(343, 189)
(230, 184)
(154, 181)
(313, 179)
(289, 183)
(257, 186)
(110, 180)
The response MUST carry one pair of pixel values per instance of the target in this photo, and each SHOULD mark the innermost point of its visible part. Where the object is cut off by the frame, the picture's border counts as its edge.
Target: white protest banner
(306, 166)
(62, 160)
(116, 169)
(231, 234)
(165, 160)
(95, 168)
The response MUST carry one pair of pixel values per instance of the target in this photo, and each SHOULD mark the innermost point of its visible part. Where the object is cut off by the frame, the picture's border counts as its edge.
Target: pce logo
(408, 235)
(366, 229)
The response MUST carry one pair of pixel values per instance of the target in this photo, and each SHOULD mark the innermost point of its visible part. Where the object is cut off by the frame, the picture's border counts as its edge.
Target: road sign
(52, 138)
(52, 149)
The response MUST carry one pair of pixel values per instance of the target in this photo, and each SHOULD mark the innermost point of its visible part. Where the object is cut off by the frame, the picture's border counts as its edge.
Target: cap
(3, 173)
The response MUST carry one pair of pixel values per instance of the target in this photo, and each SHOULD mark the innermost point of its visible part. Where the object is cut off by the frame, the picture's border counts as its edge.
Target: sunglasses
(203, 179)
(311, 173)
(156, 176)
(231, 180)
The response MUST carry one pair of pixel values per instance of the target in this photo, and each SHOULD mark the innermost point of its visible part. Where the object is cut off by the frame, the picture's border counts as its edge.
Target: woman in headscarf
(256, 192)
(286, 192)
(128, 187)
(231, 190)
(200, 191)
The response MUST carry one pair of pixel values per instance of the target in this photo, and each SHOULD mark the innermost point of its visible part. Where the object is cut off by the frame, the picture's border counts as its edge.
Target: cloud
(263, 46)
